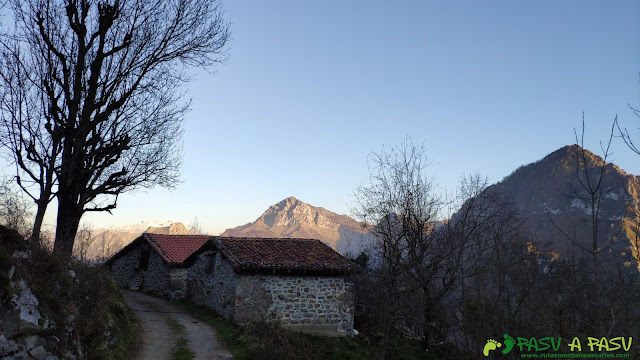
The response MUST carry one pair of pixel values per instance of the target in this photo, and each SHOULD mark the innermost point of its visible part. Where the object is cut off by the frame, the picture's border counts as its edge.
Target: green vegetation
(262, 341)
(181, 350)
(227, 331)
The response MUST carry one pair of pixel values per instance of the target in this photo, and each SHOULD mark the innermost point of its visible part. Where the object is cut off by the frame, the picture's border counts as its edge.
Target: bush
(82, 300)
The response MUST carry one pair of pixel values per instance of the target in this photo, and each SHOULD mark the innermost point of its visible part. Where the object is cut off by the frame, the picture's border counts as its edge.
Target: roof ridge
(263, 238)
(228, 252)
(155, 245)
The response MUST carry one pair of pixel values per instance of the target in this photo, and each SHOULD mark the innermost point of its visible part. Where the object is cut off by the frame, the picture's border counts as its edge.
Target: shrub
(82, 300)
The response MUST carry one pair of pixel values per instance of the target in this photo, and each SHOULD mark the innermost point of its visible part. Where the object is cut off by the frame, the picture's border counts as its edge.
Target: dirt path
(158, 339)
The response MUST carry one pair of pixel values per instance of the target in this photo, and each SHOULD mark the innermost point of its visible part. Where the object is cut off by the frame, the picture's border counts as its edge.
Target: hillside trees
(482, 272)
(401, 203)
(90, 97)
(418, 263)
(14, 210)
(628, 140)
(23, 120)
(594, 234)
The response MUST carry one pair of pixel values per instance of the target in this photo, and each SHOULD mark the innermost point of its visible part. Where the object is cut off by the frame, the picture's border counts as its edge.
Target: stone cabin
(298, 283)
(156, 262)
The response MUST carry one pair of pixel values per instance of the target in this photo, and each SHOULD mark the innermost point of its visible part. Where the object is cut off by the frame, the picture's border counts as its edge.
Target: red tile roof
(175, 249)
(281, 254)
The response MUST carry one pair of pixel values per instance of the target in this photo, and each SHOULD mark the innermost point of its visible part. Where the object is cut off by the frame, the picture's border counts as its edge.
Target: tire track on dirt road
(158, 340)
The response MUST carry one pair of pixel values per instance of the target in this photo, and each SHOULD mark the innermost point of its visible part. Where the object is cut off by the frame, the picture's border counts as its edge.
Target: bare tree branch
(102, 80)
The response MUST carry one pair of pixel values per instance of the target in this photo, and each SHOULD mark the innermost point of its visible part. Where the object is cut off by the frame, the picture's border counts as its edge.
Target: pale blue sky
(311, 88)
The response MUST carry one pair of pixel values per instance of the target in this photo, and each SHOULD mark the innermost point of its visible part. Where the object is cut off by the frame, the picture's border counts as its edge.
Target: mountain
(555, 203)
(171, 229)
(547, 193)
(141, 226)
(294, 218)
(96, 244)
(542, 191)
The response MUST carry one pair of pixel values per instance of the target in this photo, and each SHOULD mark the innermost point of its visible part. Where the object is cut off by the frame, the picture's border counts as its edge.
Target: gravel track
(158, 339)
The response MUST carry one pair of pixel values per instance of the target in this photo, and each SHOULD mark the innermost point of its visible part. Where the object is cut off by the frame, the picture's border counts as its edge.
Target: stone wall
(314, 303)
(177, 283)
(216, 288)
(320, 304)
(156, 278)
(123, 269)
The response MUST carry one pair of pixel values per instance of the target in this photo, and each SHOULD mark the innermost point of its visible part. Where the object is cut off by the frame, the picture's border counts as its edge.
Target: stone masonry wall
(156, 278)
(318, 301)
(215, 289)
(123, 268)
(177, 283)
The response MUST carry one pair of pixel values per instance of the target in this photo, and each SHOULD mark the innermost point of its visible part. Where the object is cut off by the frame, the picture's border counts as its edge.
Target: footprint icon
(490, 345)
(508, 344)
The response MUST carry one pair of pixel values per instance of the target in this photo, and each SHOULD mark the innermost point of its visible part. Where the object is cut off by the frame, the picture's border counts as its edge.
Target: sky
(312, 88)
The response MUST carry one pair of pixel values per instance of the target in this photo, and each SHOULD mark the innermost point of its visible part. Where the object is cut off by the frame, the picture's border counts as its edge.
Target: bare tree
(24, 119)
(624, 132)
(14, 210)
(84, 242)
(400, 205)
(103, 78)
(106, 246)
(195, 228)
(603, 283)
(421, 266)
(589, 187)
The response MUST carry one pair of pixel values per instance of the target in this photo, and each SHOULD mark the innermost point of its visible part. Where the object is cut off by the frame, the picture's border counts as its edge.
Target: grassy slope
(266, 341)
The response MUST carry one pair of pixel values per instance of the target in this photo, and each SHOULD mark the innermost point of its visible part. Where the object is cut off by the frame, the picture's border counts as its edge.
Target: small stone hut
(156, 262)
(298, 283)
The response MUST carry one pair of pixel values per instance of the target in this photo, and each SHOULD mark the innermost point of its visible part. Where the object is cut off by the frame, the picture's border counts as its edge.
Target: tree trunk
(37, 223)
(427, 318)
(68, 220)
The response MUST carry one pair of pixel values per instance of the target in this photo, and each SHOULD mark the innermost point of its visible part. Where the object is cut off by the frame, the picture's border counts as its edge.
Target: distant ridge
(106, 242)
(294, 218)
(540, 190)
(543, 193)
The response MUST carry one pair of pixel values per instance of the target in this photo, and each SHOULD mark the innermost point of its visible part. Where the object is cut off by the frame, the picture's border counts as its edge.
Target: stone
(38, 353)
(7, 346)
(33, 341)
(27, 303)
(177, 284)
(10, 324)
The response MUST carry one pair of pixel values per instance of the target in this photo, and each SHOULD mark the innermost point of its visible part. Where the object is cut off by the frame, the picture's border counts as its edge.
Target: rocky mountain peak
(292, 211)
(172, 229)
(294, 218)
(551, 195)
